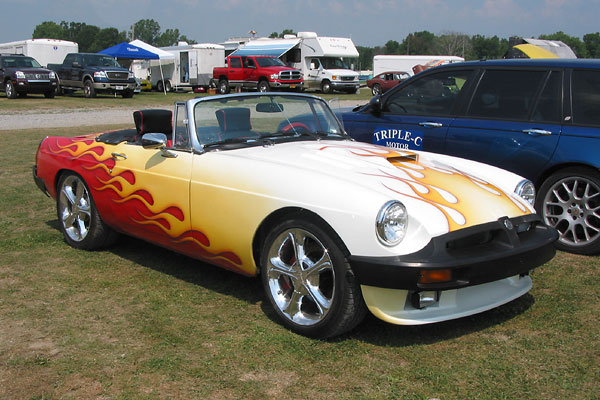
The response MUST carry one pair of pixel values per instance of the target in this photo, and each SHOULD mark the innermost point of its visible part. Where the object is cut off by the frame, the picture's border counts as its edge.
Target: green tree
(392, 47)
(453, 44)
(592, 44)
(418, 43)
(86, 37)
(274, 35)
(147, 30)
(106, 38)
(169, 37)
(48, 30)
(487, 48)
(573, 42)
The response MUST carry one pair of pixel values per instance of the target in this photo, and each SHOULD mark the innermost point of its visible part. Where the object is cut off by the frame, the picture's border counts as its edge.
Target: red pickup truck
(263, 73)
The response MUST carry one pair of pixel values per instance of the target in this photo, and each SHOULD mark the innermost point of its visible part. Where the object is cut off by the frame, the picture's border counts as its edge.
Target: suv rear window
(506, 94)
(586, 97)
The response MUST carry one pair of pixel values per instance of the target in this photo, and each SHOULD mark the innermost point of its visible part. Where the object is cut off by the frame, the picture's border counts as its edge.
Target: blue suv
(537, 118)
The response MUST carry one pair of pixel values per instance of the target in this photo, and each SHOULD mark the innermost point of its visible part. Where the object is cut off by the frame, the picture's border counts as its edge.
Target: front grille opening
(470, 241)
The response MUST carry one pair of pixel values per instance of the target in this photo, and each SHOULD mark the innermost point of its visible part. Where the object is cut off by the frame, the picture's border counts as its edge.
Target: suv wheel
(326, 87)
(88, 89)
(569, 201)
(11, 93)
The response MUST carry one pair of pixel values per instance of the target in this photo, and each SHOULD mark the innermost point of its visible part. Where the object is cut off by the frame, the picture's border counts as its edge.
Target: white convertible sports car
(269, 184)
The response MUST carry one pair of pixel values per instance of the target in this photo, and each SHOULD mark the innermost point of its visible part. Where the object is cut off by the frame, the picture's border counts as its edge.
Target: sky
(368, 23)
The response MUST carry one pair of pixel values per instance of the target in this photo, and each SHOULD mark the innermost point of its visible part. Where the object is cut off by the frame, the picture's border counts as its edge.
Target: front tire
(127, 94)
(79, 220)
(569, 201)
(223, 86)
(88, 89)
(263, 86)
(9, 88)
(308, 280)
(326, 87)
(50, 94)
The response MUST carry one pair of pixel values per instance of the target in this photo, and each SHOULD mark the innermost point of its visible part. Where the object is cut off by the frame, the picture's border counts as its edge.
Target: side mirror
(375, 105)
(157, 141)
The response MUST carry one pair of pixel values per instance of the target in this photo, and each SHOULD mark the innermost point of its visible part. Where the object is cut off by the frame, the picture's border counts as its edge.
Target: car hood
(425, 182)
(31, 70)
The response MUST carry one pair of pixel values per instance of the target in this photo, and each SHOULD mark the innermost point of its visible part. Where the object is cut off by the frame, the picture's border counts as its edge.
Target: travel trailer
(45, 51)
(191, 67)
(322, 60)
(386, 63)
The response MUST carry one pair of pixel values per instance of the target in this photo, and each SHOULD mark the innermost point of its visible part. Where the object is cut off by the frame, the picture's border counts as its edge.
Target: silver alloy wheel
(572, 206)
(74, 208)
(9, 90)
(263, 86)
(300, 276)
(376, 90)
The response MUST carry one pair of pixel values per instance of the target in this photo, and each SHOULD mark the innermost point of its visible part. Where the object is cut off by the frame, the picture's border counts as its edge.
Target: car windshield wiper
(234, 140)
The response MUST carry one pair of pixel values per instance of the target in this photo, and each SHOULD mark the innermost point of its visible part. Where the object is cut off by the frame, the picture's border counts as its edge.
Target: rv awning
(127, 50)
(275, 48)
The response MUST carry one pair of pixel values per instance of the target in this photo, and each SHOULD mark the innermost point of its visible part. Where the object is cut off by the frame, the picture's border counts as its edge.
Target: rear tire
(376, 90)
(78, 217)
(308, 280)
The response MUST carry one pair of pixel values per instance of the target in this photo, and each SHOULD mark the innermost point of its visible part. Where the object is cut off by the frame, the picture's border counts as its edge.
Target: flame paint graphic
(424, 183)
(137, 203)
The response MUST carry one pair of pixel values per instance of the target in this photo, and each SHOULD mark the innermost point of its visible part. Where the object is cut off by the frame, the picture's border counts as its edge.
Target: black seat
(234, 122)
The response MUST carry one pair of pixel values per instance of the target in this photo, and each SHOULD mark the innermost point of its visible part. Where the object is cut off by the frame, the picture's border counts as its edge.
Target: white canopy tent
(162, 55)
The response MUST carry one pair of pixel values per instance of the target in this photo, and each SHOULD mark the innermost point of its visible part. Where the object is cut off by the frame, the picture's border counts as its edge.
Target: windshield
(269, 62)
(253, 117)
(22, 62)
(333, 63)
(97, 60)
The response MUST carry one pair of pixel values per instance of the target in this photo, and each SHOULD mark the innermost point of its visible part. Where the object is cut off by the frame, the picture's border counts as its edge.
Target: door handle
(119, 155)
(431, 124)
(536, 132)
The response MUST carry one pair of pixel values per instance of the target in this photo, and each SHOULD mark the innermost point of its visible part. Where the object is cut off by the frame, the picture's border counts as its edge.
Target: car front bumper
(341, 85)
(471, 256)
(287, 85)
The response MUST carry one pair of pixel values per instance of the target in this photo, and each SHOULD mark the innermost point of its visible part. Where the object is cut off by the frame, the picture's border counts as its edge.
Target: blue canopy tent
(127, 50)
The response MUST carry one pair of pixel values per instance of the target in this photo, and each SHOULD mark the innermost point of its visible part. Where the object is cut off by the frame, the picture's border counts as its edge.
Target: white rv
(389, 63)
(324, 61)
(45, 51)
(192, 66)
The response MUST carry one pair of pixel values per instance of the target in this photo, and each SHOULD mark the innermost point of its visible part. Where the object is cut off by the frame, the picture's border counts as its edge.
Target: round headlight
(392, 222)
(526, 190)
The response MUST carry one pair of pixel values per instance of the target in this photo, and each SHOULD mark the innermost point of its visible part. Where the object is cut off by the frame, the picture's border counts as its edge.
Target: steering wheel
(298, 127)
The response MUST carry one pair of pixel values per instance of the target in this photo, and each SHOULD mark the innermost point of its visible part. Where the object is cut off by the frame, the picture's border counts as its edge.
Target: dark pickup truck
(93, 73)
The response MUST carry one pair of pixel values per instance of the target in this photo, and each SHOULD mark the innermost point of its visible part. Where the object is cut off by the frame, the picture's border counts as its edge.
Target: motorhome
(191, 67)
(45, 51)
(324, 61)
(401, 63)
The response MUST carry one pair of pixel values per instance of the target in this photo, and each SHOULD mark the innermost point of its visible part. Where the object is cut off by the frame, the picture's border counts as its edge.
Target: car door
(415, 115)
(154, 197)
(513, 120)
(235, 71)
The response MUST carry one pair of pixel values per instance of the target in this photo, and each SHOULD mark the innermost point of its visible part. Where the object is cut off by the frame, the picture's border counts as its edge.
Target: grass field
(139, 322)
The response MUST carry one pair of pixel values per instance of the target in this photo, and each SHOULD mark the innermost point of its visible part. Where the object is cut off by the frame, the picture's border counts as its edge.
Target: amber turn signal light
(435, 275)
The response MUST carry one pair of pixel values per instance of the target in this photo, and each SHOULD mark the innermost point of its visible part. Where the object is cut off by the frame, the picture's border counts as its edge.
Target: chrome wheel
(572, 206)
(263, 86)
(376, 89)
(74, 208)
(10, 90)
(301, 277)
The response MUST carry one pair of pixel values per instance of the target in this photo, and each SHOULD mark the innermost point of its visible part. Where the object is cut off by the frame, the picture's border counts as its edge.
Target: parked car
(385, 81)
(268, 184)
(537, 118)
(21, 75)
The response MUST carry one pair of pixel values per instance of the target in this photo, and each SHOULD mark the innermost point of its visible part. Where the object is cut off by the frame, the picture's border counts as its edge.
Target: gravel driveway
(57, 118)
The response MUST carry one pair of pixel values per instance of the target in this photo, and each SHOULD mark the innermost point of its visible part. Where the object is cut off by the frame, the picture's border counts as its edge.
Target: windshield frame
(316, 104)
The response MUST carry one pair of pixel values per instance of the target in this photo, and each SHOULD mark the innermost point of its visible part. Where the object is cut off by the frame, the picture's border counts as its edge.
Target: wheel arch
(559, 167)
(283, 214)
